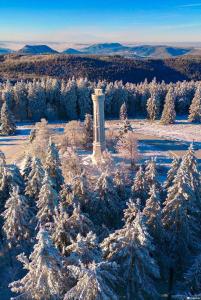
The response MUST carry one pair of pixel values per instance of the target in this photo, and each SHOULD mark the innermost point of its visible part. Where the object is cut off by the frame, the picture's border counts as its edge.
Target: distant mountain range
(141, 51)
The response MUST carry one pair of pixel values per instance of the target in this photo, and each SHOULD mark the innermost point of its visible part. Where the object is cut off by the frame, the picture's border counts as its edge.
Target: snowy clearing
(154, 139)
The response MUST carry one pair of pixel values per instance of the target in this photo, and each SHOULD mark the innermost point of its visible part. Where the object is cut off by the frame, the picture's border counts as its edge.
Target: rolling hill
(37, 49)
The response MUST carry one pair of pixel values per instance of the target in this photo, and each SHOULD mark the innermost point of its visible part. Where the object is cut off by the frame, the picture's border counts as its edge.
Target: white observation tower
(99, 124)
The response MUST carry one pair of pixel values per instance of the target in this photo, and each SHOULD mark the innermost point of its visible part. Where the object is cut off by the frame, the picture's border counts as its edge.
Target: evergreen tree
(131, 248)
(81, 190)
(169, 113)
(131, 211)
(140, 187)
(172, 172)
(47, 201)
(195, 108)
(152, 211)
(35, 179)
(192, 278)
(153, 214)
(20, 101)
(96, 281)
(36, 100)
(53, 165)
(119, 182)
(153, 106)
(8, 126)
(45, 276)
(68, 99)
(180, 224)
(26, 167)
(16, 218)
(84, 249)
(88, 128)
(105, 206)
(61, 235)
(83, 97)
(151, 175)
(123, 112)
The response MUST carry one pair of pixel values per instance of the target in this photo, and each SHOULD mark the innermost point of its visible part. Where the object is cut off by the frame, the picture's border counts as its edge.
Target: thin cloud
(191, 5)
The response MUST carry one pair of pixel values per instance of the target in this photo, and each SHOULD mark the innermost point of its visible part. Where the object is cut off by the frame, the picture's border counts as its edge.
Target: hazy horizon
(60, 46)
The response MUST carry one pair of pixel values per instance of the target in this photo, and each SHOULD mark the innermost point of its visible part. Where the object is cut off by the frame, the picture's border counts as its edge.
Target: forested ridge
(110, 68)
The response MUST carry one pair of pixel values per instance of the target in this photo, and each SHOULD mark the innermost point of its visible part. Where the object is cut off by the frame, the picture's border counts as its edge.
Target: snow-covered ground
(181, 130)
(154, 139)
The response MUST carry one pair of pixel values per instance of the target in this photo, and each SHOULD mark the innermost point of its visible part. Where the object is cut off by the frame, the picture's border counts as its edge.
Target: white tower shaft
(99, 124)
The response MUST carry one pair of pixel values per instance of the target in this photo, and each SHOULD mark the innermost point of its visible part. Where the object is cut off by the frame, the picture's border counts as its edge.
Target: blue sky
(78, 22)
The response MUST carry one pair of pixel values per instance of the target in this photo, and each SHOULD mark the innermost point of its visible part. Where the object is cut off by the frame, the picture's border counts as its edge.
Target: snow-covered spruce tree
(83, 97)
(88, 130)
(190, 166)
(61, 235)
(9, 177)
(81, 190)
(119, 182)
(84, 249)
(47, 201)
(66, 228)
(195, 108)
(123, 112)
(16, 216)
(20, 100)
(26, 167)
(35, 179)
(153, 106)
(172, 172)
(105, 205)
(151, 175)
(45, 277)
(36, 100)
(131, 211)
(140, 188)
(169, 113)
(180, 224)
(66, 195)
(8, 126)
(68, 98)
(153, 213)
(53, 165)
(79, 222)
(131, 248)
(7, 94)
(4, 191)
(96, 281)
(192, 278)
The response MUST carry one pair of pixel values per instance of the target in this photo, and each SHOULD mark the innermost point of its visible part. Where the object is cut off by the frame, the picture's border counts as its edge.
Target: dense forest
(110, 68)
(71, 230)
(55, 99)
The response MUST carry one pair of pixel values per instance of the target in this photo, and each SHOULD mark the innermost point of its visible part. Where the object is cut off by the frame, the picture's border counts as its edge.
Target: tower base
(98, 149)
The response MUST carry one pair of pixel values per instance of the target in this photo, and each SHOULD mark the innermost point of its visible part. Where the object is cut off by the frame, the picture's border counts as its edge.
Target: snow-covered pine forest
(117, 230)
(55, 99)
